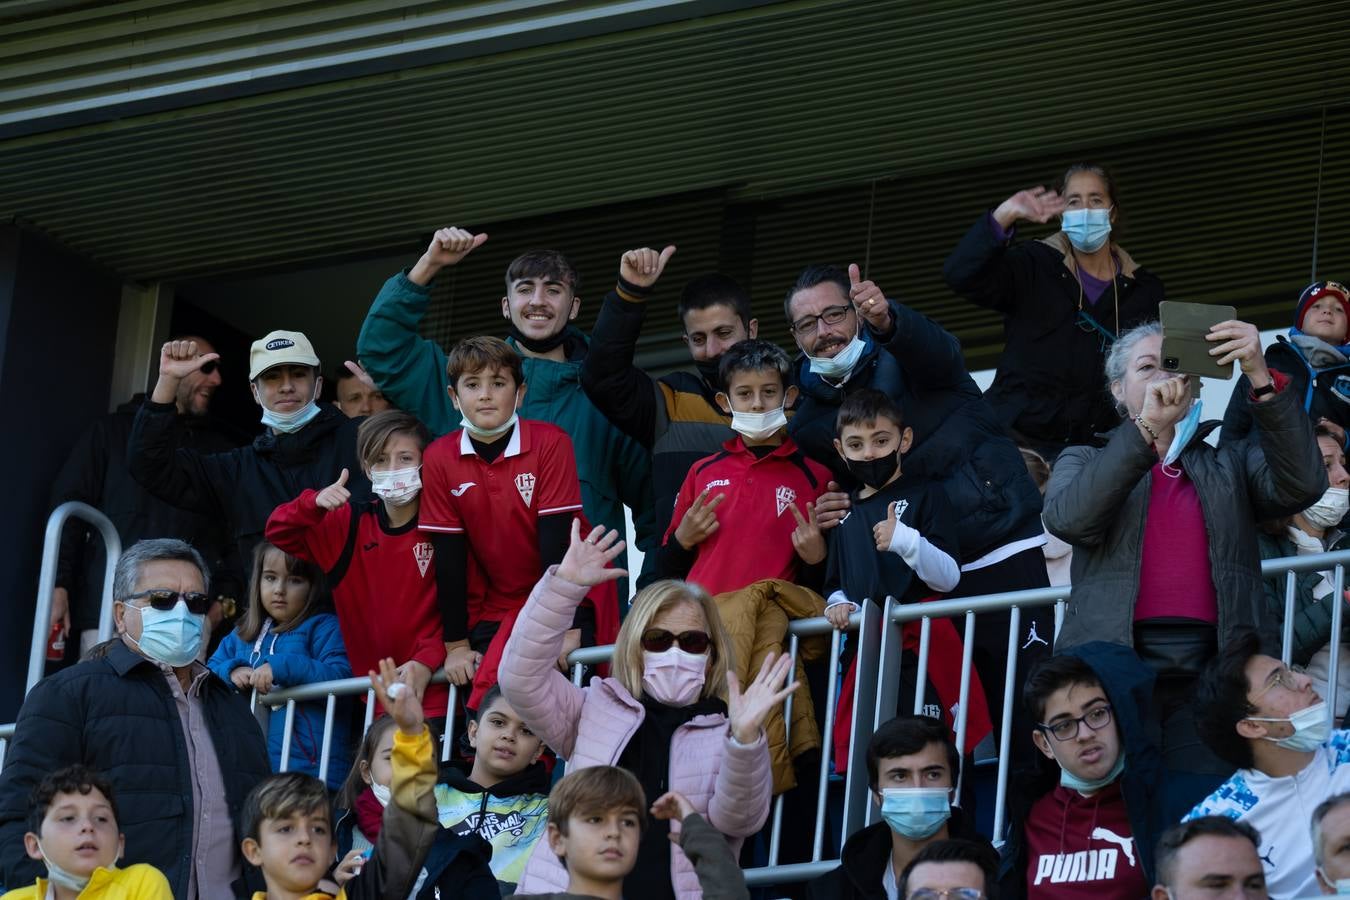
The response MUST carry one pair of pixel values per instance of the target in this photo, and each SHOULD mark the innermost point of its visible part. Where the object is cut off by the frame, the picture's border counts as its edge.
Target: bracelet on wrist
(1139, 420)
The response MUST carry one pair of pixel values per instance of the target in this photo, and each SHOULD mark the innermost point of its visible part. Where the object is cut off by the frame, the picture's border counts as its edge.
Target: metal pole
(967, 661)
(775, 831)
(1287, 641)
(921, 679)
(286, 730)
(330, 708)
(1005, 729)
(1334, 669)
(448, 739)
(831, 703)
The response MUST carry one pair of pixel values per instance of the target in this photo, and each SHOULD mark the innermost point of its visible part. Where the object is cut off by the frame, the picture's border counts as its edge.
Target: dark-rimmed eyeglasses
(831, 315)
(1096, 718)
(658, 640)
(947, 894)
(164, 599)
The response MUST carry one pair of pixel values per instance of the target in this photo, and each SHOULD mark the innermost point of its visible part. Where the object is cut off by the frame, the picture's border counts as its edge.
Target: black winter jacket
(243, 486)
(864, 859)
(1129, 690)
(1049, 380)
(96, 473)
(1097, 500)
(957, 440)
(117, 715)
(1311, 386)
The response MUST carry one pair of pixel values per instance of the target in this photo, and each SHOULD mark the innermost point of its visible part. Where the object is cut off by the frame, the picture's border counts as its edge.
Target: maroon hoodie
(1082, 847)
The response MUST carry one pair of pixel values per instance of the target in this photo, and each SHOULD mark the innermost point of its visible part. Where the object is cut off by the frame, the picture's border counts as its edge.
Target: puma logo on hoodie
(1082, 847)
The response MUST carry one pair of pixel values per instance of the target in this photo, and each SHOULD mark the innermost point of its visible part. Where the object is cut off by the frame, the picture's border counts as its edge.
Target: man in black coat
(306, 444)
(180, 746)
(96, 473)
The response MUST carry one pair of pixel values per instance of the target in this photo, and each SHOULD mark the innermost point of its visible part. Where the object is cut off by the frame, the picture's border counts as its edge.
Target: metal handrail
(51, 551)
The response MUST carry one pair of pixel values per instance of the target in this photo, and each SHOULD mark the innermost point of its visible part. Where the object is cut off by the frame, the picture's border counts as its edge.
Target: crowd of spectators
(455, 516)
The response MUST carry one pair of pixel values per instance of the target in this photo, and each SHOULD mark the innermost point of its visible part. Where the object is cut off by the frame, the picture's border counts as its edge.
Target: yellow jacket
(410, 826)
(138, 882)
(756, 619)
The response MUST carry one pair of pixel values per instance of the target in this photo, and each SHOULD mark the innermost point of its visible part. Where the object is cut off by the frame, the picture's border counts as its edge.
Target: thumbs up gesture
(884, 530)
(868, 300)
(448, 246)
(643, 267)
(336, 495)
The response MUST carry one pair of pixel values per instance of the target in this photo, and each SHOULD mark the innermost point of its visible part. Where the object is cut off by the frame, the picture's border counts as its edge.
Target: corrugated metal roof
(788, 112)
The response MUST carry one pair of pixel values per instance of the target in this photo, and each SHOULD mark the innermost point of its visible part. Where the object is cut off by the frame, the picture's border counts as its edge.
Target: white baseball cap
(278, 349)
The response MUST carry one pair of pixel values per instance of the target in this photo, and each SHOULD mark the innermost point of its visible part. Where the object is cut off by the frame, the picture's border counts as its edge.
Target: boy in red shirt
(377, 564)
(760, 486)
(498, 500)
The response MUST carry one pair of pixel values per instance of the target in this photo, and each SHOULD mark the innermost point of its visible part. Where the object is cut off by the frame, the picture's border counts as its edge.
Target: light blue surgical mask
(1084, 786)
(839, 366)
(1342, 885)
(916, 813)
(1183, 433)
(288, 423)
(1311, 727)
(59, 876)
(1087, 229)
(171, 636)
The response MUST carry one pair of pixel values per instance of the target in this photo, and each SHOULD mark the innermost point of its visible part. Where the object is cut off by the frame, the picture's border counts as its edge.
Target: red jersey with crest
(385, 591)
(753, 540)
(497, 505)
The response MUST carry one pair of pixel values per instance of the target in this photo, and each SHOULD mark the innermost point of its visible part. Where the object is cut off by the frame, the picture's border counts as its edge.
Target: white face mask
(840, 365)
(758, 426)
(397, 486)
(59, 876)
(381, 792)
(1329, 509)
(490, 433)
(1311, 727)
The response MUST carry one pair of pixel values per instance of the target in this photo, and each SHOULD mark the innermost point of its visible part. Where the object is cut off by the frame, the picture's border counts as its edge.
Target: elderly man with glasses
(1265, 719)
(179, 745)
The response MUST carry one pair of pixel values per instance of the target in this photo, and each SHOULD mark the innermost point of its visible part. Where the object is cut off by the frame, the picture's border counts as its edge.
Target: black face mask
(873, 472)
(709, 370)
(538, 346)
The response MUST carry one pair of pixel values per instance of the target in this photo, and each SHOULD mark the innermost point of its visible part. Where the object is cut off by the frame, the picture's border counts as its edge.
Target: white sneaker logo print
(459, 491)
(525, 484)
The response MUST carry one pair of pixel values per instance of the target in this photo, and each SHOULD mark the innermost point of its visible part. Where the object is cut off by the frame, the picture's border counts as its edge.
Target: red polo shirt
(754, 536)
(496, 506)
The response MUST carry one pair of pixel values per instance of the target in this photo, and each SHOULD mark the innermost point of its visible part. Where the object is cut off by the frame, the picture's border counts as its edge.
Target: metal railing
(879, 639)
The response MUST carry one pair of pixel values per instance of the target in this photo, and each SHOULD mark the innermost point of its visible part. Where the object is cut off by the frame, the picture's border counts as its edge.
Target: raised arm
(744, 786)
(980, 268)
(929, 354)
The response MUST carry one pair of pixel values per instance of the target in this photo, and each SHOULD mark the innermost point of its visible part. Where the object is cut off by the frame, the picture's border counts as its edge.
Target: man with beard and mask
(305, 445)
(96, 473)
(1315, 356)
(912, 766)
(675, 417)
(541, 302)
(180, 747)
(852, 338)
(1314, 530)
(1264, 718)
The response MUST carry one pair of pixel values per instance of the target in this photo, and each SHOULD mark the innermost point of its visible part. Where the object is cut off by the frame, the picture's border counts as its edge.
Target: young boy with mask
(912, 767)
(499, 496)
(760, 486)
(504, 796)
(72, 829)
(1085, 822)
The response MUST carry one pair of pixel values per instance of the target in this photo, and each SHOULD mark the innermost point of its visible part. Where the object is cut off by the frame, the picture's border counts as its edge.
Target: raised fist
(643, 267)
(179, 359)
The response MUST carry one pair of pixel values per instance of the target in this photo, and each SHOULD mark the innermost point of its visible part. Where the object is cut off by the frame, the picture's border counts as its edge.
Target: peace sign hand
(1036, 204)
(807, 538)
(335, 496)
(747, 711)
(643, 267)
(869, 301)
(586, 562)
(884, 530)
(700, 520)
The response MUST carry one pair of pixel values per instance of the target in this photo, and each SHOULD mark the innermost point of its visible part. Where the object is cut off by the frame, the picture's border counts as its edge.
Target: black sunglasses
(658, 640)
(164, 599)
(209, 366)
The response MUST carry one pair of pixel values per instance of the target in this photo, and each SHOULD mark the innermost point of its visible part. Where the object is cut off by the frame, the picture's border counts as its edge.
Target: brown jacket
(756, 619)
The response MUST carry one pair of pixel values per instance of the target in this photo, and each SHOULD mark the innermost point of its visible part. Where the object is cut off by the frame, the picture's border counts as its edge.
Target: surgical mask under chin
(1083, 785)
(59, 876)
(916, 813)
(1342, 885)
(1329, 509)
(1183, 433)
(487, 434)
(1087, 229)
(382, 793)
(171, 636)
(839, 366)
(758, 426)
(287, 423)
(397, 486)
(1311, 728)
(874, 472)
(674, 677)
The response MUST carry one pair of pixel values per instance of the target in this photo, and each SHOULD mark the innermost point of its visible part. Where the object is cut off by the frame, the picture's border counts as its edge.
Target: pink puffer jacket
(729, 783)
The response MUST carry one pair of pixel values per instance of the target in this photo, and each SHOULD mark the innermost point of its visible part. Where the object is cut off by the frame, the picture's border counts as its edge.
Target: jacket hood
(534, 779)
(1059, 241)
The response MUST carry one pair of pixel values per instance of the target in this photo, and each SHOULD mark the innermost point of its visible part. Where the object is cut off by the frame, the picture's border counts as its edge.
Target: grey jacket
(1097, 500)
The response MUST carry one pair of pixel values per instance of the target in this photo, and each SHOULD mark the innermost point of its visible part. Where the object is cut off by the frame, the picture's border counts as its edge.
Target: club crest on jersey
(784, 497)
(525, 484)
(422, 553)
(900, 507)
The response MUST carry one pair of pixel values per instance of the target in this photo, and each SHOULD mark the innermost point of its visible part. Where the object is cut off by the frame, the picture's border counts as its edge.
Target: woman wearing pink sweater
(672, 713)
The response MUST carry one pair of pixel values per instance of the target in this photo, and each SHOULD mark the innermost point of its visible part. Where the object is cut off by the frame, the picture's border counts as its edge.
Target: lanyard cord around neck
(1115, 290)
